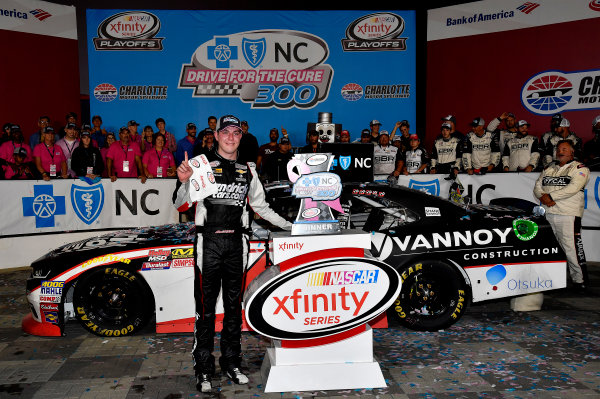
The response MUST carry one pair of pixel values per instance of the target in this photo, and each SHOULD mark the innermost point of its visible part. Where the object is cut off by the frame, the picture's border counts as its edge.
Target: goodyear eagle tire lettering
(112, 302)
(433, 296)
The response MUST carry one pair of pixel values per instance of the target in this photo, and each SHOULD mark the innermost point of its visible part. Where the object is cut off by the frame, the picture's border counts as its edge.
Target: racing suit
(221, 249)
(550, 149)
(520, 152)
(445, 155)
(503, 134)
(480, 151)
(565, 184)
(414, 159)
(384, 160)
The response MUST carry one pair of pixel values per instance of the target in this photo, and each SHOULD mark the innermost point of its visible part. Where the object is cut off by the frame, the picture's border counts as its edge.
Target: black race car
(447, 255)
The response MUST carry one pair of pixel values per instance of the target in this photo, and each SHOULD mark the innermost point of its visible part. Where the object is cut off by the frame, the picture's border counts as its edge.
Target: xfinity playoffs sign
(321, 298)
(130, 30)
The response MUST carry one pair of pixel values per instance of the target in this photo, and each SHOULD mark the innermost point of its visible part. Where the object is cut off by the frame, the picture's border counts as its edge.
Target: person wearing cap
(50, 161)
(275, 165)
(134, 137)
(268, 148)
(451, 120)
(87, 159)
(445, 154)
(248, 145)
(562, 132)
(554, 124)
(504, 134)
(404, 136)
(37, 137)
(147, 139)
(222, 223)
(375, 126)
(480, 149)
(17, 140)
(68, 144)
(387, 161)
(71, 117)
(98, 132)
(187, 143)
(416, 158)
(20, 168)
(344, 136)
(560, 189)
(110, 139)
(206, 144)
(313, 145)
(365, 136)
(86, 127)
(171, 143)
(591, 149)
(124, 158)
(521, 153)
(158, 162)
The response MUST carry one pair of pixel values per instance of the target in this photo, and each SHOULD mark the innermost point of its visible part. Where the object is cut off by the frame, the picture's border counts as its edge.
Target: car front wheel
(433, 296)
(112, 302)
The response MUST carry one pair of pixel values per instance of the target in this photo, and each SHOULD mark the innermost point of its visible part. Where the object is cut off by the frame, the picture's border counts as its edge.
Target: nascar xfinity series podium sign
(187, 65)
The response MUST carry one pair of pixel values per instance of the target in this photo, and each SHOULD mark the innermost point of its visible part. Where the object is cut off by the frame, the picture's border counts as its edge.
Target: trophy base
(312, 228)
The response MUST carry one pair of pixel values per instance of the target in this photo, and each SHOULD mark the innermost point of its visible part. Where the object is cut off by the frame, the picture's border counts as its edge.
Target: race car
(447, 255)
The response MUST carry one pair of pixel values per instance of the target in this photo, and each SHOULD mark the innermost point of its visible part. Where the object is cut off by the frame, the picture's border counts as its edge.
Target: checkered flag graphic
(219, 90)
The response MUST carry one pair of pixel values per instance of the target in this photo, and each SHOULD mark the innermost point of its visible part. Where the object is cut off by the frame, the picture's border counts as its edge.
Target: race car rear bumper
(44, 329)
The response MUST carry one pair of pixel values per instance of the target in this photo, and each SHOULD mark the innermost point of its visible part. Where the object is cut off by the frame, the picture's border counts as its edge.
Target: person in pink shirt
(147, 138)
(49, 158)
(19, 169)
(68, 144)
(134, 137)
(124, 158)
(158, 161)
(170, 141)
(110, 139)
(17, 141)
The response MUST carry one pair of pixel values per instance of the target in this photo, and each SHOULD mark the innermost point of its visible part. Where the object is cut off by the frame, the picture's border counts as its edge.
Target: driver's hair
(569, 142)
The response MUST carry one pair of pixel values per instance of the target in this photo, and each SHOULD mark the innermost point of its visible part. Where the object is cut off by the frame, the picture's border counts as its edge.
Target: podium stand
(339, 361)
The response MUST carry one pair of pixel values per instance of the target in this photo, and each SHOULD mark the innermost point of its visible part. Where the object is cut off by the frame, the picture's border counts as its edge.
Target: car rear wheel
(433, 296)
(112, 302)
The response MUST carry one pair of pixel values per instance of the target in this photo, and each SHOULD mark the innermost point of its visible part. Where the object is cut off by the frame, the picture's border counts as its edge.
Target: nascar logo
(343, 278)
(555, 91)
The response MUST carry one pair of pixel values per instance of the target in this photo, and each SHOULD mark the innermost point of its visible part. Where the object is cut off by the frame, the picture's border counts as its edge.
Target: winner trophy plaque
(319, 191)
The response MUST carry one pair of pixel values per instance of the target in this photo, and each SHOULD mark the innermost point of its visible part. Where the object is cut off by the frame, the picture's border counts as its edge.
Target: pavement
(492, 352)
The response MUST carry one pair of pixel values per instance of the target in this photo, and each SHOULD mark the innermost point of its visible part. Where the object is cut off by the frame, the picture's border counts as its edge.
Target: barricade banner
(36, 206)
(271, 68)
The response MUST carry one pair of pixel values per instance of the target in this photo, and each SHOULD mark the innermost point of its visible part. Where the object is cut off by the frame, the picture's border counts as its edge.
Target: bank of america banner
(531, 58)
(31, 207)
(271, 68)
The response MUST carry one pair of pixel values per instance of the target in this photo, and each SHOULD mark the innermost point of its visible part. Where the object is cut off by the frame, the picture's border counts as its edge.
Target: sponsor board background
(36, 78)
(479, 69)
(185, 31)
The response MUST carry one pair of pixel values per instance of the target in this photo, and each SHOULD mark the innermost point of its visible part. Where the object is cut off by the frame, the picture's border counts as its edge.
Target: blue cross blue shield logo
(254, 51)
(345, 161)
(44, 205)
(87, 202)
(431, 187)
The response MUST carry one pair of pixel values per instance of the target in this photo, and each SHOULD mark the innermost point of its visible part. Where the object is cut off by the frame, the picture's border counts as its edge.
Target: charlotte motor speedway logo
(555, 91)
(268, 69)
(106, 92)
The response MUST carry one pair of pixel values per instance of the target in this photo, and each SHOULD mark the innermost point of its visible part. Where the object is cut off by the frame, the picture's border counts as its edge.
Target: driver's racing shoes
(236, 375)
(203, 383)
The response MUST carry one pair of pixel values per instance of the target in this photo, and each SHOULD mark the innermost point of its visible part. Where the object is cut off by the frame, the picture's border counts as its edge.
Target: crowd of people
(503, 145)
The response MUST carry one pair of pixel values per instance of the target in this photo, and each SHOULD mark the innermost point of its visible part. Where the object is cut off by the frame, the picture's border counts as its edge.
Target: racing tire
(433, 296)
(112, 302)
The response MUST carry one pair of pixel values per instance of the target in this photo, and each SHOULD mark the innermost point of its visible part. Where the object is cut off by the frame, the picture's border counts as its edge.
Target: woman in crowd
(147, 138)
(50, 161)
(86, 159)
(158, 162)
(110, 139)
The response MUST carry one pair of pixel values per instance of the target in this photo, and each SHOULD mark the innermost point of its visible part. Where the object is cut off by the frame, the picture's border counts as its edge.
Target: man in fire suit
(221, 250)
(445, 155)
(562, 132)
(560, 189)
(521, 153)
(509, 131)
(481, 153)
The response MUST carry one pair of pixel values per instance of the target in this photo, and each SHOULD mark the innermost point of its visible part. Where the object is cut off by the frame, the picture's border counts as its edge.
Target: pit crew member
(481, 152)
(521, 153)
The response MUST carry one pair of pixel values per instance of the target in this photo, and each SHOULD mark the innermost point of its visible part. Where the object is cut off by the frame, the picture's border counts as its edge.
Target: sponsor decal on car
(129, 31)
(51, 317)
(156, 255)
(100, 260)
(48, 306)
(432, 211)
(183, 263)
(156, 265)
(179, 253)
(53, 288)
(321, 298)
(524, 229)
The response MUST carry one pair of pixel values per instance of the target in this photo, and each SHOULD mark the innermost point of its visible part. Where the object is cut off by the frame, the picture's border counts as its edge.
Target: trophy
(319, 191)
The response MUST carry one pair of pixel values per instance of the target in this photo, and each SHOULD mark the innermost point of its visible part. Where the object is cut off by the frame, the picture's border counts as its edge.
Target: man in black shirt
(275, 166)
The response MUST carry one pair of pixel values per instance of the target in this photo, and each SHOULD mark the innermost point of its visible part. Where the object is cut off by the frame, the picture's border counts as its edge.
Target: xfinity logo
(319, 303)
(291, 246)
